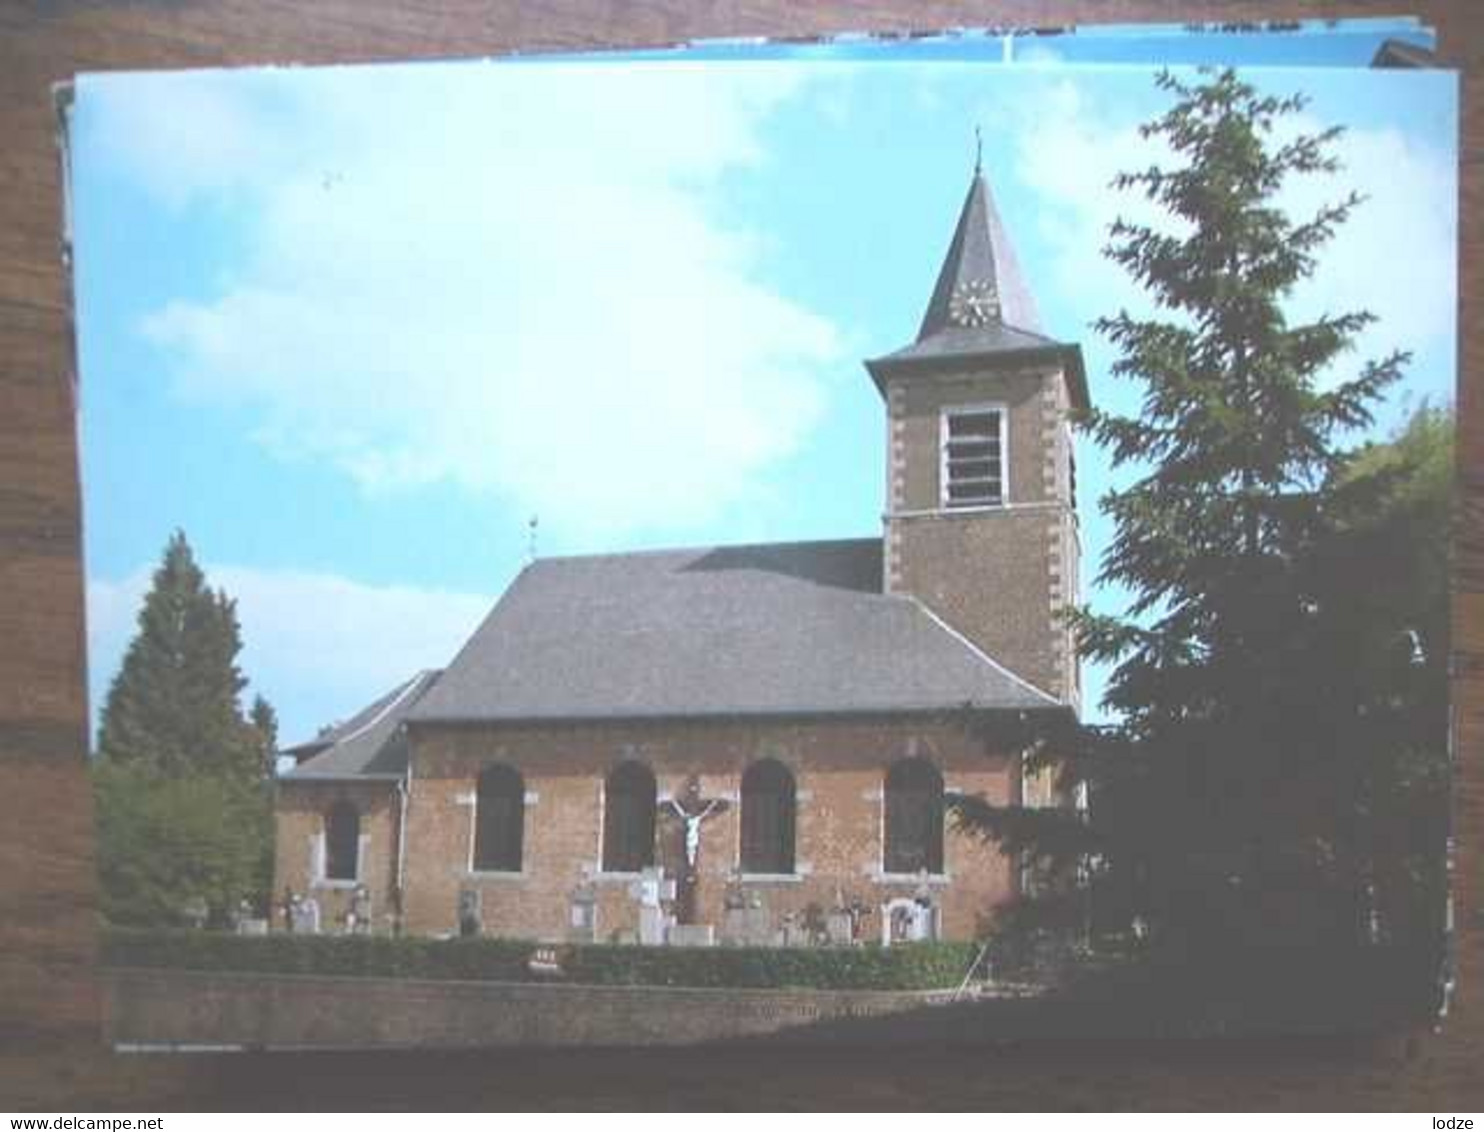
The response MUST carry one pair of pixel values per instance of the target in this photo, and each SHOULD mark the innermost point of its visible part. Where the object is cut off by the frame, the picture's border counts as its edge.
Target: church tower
(981, 520)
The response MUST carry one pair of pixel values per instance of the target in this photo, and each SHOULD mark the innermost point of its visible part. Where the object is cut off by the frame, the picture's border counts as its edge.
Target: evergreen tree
(264, 722)
(1233, 800)
(1393, 513)
(182, 778)
(165, 842)
(174, 703)
(1239, 740)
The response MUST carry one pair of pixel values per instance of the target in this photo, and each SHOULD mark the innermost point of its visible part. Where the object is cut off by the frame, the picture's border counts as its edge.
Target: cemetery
(924, 966)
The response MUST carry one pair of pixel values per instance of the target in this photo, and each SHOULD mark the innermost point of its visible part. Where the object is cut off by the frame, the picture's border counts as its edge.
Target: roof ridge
(700, 547)
(397, 696)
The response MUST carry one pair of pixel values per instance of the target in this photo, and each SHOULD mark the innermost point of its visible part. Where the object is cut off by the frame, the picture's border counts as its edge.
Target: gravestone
(746, 919)
(910, 921)
(733, 914)
(471, 918)
(358, 919)
(251, 925)
(860, 912)
(844, 922)
(651, 890)
(582, 923)
(306, 916)
(757, 924)
(900, 917)
(840, 928)
(927, 910)
(793, 933)
(815, 924)
(652, 923)
(691, 935)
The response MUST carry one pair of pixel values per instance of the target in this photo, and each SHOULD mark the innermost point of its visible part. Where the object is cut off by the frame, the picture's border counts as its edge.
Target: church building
(667, 744)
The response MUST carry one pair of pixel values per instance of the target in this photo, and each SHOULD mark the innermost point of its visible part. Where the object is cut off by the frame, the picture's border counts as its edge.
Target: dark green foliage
(264, 721)
(1254, 989)
(182, 778)
(921, 966)
(1277, 677)
(926, 966)
(1231, 991)
(1392, 512)
(174, 704)
(166, 840)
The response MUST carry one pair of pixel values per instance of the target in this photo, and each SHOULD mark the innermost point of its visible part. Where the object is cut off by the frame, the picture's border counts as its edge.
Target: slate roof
(781, 629)
(981, 253)
(370, 744)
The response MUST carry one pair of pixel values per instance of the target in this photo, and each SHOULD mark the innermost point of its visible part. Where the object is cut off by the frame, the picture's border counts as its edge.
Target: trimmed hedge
(919, 966)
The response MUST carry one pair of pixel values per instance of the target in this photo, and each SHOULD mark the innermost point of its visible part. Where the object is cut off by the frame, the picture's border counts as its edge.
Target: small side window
(343, 842)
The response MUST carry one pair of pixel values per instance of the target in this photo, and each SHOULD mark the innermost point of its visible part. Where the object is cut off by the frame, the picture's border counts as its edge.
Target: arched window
(343, 842)
(628, 819)
(914, 818)
(768, 818)
(499, 819)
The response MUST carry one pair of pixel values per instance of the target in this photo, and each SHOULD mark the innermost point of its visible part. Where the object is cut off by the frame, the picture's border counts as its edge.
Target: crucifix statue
(692, 810)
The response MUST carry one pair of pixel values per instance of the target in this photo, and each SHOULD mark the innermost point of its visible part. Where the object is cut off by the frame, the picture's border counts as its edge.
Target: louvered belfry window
(628, 818)
(768, 803)
(499, 820)
(914, 818)
(973, 457)
(342, 842)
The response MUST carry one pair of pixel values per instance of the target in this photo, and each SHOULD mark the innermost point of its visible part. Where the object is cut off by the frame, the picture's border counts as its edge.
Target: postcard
(808, 541)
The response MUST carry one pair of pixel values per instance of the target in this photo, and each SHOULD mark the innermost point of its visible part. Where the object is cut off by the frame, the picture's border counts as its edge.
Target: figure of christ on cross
(692, 809)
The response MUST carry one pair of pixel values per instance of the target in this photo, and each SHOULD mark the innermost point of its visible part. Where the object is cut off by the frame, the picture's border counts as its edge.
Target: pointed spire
(980, 284)
(981, 307)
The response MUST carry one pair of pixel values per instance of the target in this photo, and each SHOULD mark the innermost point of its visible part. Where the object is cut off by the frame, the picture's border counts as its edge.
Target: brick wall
(838, 769)
(300, 810)
(1024, 557)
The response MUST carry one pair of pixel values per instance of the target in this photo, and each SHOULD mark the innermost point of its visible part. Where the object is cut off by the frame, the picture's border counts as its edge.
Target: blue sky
(350, 328)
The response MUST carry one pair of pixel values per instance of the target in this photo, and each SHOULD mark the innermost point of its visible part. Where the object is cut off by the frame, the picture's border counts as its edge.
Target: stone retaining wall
(154, 1008)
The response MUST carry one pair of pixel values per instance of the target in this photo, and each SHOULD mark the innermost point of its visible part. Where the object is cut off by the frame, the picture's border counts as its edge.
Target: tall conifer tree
(1228, 799)
(183, 778)
(174, 705)
(264, 721)
(1235, 441)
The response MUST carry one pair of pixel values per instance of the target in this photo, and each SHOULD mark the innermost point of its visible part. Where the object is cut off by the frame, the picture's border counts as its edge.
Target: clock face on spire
(974, 303)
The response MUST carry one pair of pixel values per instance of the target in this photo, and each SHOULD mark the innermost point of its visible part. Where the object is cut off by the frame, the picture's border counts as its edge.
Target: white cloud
(183, 135)
(1395, 256)
(1069, 151)
(310, 639)
(1037, 53)
(489, 276)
